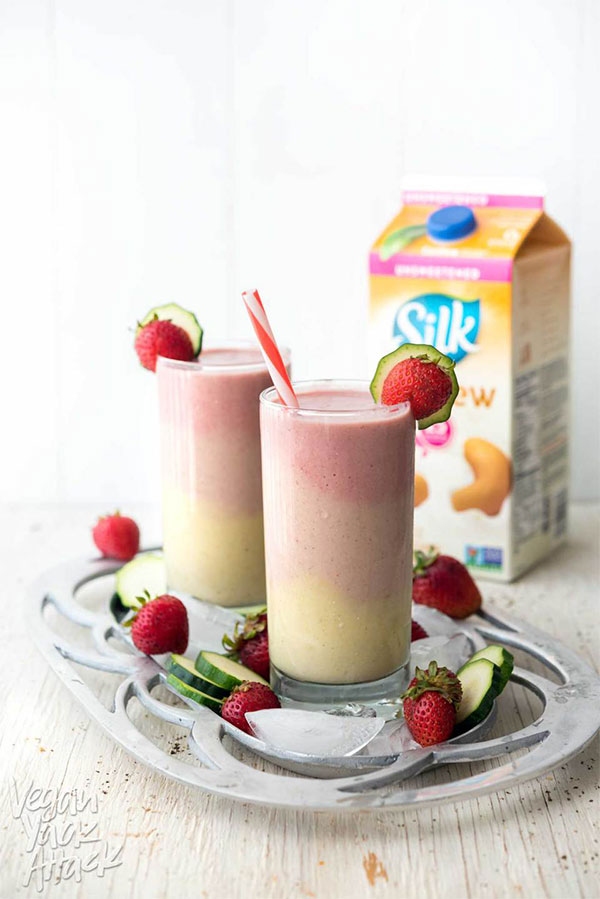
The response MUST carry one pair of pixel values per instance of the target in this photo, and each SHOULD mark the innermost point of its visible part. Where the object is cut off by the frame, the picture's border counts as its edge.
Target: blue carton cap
(451, 223)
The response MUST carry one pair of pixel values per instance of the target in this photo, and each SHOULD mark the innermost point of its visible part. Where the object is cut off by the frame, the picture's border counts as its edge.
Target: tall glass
(211, 473)
(338, 483)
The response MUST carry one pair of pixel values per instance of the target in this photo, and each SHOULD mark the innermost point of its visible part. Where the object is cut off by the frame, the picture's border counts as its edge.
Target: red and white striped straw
(269, 348)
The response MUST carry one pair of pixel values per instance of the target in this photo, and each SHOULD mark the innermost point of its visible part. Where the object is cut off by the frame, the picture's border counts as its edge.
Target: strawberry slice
(162, 338)
(420, 375)
(169, 331)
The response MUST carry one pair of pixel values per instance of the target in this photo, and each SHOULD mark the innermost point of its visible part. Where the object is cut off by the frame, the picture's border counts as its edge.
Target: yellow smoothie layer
(319, 634)
(213, 554)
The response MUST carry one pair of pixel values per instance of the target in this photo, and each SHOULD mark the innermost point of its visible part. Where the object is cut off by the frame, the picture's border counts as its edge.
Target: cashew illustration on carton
(491, 470)
(421, 490)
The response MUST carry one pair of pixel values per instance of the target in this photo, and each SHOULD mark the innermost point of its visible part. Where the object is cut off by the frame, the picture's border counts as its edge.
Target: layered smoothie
(338, 477)
(211, 474)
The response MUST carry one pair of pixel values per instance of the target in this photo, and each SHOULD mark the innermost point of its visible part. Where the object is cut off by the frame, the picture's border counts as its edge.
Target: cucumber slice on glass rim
(184, 319)
(481, 683)
(224, 672)
(425, 353)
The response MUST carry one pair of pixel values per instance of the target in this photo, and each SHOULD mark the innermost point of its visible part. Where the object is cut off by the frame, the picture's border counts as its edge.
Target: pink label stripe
(454, 198)
(441, 268)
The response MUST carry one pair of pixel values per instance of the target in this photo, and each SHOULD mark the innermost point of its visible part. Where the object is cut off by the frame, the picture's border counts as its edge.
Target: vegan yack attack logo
(449, 324)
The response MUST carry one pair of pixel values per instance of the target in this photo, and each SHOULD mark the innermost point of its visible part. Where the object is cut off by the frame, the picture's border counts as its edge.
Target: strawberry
(417, 632)
(444, 583)
(254, 654)
(430, 704)
(117, 537)
(250, 696)
(161, 337)
(251, 644)
(160, 625)
(423, 384)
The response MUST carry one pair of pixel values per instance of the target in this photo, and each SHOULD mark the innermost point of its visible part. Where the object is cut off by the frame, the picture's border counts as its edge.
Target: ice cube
(353, 710)
(451, 652)
(313, 733)
(434, 622)
(394, 739)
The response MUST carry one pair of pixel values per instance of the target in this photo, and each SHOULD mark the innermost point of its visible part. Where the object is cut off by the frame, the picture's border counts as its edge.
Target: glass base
(291, 690)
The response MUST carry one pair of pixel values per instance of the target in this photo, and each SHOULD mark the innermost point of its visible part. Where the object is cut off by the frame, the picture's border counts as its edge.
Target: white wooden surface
(184, 150)
(539, 840)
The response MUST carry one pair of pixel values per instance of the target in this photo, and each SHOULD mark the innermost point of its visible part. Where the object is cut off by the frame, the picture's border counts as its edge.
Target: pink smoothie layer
(210, 437)
(338, 497)
(351, 400)
(211, 474)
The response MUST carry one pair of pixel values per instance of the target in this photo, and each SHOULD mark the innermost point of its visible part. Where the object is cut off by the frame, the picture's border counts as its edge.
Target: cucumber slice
(184, 669)
(146, 572)
(118, 610)
(224, 671)
(197, 695)
(248, 610)
(180, 317)
(480, 681)
(500, 657)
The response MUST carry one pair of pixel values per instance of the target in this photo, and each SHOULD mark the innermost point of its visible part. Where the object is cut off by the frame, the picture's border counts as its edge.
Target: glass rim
(197, 365)
(270, 398)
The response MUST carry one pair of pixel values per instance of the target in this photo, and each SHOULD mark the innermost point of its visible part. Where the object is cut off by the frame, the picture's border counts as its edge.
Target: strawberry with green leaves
(250, 644)
(430, 704)
(160, 625)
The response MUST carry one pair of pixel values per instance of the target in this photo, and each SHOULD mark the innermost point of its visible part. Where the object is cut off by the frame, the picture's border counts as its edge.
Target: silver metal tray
(569, 719)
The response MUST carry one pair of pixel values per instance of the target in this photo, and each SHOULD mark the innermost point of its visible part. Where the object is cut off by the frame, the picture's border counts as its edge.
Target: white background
(184, 150)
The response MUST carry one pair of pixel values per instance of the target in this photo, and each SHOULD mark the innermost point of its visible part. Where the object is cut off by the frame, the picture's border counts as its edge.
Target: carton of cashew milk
(483, 275)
